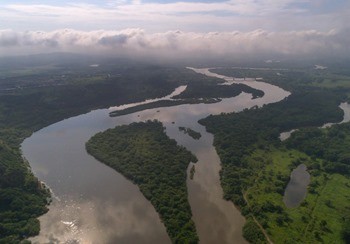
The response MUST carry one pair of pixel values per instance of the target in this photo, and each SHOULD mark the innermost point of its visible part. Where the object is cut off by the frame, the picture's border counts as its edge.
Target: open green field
(319, 218)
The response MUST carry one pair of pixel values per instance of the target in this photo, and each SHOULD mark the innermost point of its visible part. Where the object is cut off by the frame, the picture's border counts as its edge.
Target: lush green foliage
(192, 133)
(144, 154)
(252, 233)
(22, 198)
(331, 144)
(236, 135)
(34, 97)
(251, 176)
(320, 217)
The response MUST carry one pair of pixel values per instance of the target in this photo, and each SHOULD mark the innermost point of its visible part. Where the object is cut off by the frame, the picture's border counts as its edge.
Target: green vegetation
(256, 167)
(22, 197)
(143, 153)
(331, 144)
(313, 220)
(300, 78)
(192, 171)
(196, 92)
(251, 232)
(192, 133)
(160, 104)
(207, 90)
(32, 100)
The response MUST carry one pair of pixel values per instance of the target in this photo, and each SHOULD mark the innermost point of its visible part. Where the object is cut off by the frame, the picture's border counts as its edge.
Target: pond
(296, 189)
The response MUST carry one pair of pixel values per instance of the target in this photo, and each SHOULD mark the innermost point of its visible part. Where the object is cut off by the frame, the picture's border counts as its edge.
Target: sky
(177, 28)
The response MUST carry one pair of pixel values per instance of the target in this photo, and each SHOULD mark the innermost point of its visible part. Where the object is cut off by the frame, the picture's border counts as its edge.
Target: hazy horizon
(174, 30)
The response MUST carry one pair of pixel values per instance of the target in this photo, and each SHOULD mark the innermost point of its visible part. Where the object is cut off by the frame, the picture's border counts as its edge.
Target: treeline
(238, 135)
(331, 144)
(144, 154)
(161, 104)
(196, 92)
(28, 109)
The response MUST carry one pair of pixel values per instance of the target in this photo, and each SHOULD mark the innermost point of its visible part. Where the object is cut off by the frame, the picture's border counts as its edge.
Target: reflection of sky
(99, 221)
(297, 187)
(94, 202)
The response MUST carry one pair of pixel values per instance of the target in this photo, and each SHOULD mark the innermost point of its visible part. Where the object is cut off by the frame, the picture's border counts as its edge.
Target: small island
(192, 133)
(256, 168)
(192, 171)
(144, 154)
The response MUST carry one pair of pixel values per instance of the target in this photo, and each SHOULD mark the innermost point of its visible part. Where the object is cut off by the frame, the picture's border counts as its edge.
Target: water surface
(95, 204)
(296, 189)
(346, 118)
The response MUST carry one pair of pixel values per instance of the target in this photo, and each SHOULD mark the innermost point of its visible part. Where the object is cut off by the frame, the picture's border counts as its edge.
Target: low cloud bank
(175, 45)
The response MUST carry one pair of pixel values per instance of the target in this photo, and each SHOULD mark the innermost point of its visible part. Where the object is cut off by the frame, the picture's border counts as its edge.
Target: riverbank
(256, 166)
(157, 165)
(216, 219)
(58, 156)
(31, 108)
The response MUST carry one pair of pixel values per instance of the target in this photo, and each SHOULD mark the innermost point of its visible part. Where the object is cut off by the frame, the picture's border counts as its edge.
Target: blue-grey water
(296, 189)
(95, 204)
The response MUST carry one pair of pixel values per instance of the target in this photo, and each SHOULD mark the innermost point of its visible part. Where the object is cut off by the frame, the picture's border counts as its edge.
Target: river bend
(94, 204)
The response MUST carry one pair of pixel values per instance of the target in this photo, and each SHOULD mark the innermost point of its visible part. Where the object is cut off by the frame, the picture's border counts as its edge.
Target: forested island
(144, 154)
(256, 165)
(32, 97)
(192, 133)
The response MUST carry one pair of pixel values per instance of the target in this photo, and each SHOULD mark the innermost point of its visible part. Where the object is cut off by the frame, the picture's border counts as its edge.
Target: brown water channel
(94, 204)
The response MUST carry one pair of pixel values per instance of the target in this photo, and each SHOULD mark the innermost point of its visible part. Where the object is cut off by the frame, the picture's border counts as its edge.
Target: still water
(297, 186)
(94, 204)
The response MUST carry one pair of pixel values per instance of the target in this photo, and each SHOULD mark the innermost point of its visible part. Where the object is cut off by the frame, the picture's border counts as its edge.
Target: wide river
(92, 203)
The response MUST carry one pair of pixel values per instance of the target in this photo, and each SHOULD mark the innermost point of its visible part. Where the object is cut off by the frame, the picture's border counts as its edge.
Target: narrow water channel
(95, 204)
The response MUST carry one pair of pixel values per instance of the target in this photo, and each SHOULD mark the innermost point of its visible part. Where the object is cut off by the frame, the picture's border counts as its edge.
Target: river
(346, 118)
(92, 203)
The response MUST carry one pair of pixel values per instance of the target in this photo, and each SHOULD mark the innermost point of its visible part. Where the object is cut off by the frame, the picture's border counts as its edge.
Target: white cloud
(177, 44)
(243, 15)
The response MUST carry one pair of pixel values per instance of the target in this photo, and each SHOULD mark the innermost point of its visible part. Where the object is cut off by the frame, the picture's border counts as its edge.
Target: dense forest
(144, 154)
(331, 144)
(32, 98)
(256, 166)
(22, 197)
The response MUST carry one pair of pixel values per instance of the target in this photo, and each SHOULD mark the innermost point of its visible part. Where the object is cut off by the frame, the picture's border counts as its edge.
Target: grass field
(319, 216)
